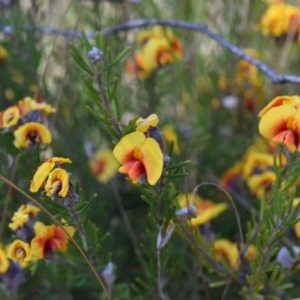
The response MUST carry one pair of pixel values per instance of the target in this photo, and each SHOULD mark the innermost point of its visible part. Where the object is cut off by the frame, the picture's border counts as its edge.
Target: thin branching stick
(203, 28)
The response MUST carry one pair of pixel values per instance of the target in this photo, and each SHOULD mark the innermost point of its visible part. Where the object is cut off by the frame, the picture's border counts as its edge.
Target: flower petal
(41, 175)
(124, 150)
(57, 183)
(276, 120)
(152, 159)
(279, 101)
(144, 124)
(136, 171)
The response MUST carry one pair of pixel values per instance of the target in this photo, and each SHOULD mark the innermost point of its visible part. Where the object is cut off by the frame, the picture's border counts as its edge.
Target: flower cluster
(158, 47)
(200, 212)
(53, 178)
(26, 119)
(141, 153)
(281, 20)
(256, 169)
(35, 241)
(280, 122)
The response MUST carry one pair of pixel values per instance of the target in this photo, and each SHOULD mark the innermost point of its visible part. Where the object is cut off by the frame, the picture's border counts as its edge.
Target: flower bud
(187, 213)
(163, 236)
(95, 56)
(108, 274)
(284, 258)
(155, 133)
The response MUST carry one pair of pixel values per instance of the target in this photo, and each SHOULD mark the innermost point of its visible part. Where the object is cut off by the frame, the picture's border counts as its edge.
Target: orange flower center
(267, 184)
(177, 47)
(20, 253)
(33, 137)
(50, 247)
(56, 187)
(220, 252)
(164, 56)
(204, 206)
(98, 166)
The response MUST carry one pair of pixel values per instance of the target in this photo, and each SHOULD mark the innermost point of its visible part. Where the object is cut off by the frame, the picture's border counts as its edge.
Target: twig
(203, 28)
(127, 224)
(8, 195)
(106, 104)
(159, 283)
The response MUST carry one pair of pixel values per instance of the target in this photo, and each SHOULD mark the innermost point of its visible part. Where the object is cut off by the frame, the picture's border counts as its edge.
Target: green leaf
(176, 175)
(80, 61)
(117, 59)
(85, 206)
(218, 283)
(184, 163)
(99, 40)
(85, 41)
(116, 108)
(131, 125)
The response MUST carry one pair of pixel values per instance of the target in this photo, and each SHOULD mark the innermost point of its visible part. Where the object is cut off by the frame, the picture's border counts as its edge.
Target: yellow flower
(207, 210)
(29, 209)
(293, 101)
(139, 155)
(3, 54)
(261, 182)
(104, 165)
(32, 133)
(19, 252)
(251, 253)
(43, 171)
(256, 162)
(28, 105)
(159, 52)
(281, 19)
(232, 174)
(159, 47)
(138, 66)
(143, 125)
(281, 125)
(227, 250)
(4, 262)
(57, 183)
(49, 239)
(44, 107)
(171, 136)
(10, 117)
(262, 145)
(156, 32)
(19, 219)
